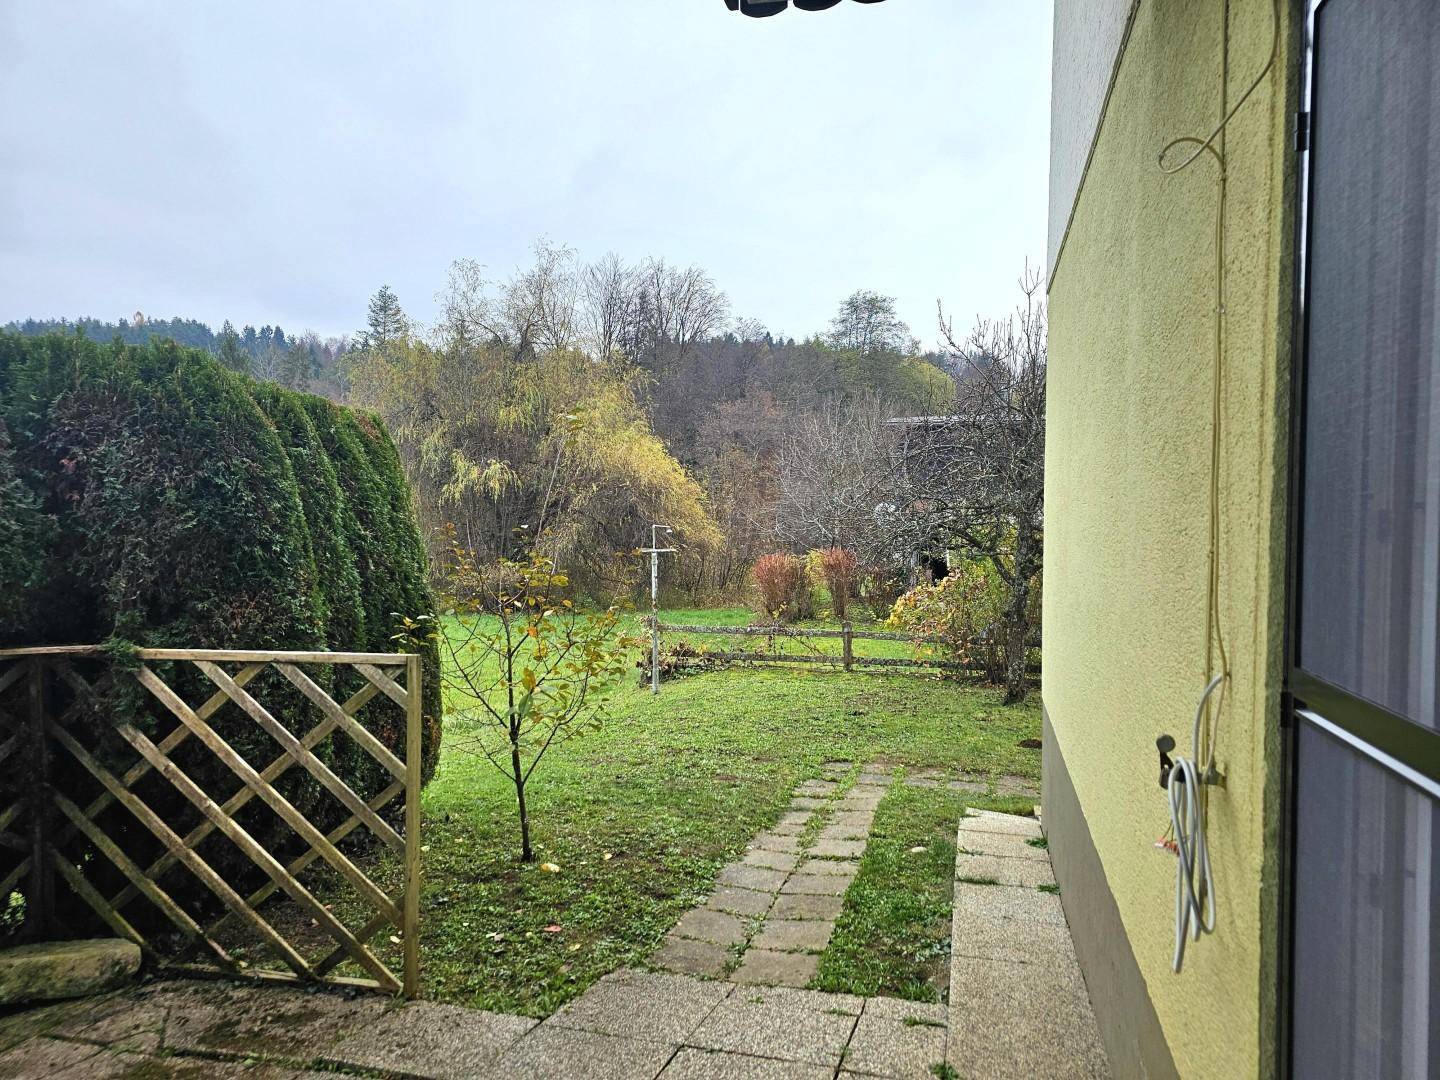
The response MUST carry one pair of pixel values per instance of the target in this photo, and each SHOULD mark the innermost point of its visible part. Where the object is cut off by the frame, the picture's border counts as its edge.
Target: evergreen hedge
(152, 496)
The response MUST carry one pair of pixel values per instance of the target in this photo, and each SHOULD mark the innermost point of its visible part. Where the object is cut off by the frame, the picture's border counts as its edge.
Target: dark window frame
(1406, 749)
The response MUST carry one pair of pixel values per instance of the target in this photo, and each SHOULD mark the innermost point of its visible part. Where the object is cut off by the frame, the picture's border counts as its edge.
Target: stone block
(55, 970)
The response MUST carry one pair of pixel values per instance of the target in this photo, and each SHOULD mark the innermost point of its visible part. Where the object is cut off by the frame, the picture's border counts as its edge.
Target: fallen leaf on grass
(554, 928)
(550, 867)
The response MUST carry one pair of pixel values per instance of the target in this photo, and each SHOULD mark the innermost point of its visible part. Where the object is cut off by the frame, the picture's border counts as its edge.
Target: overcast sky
(273, 162)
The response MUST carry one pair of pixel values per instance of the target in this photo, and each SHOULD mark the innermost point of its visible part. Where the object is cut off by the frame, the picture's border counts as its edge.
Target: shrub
(25, 537)
(840, 571)
(191, 507)
(784, 586)
(880, 588)
(963, 610)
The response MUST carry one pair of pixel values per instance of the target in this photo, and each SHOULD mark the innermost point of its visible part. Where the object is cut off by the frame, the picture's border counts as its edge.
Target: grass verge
(893, 935)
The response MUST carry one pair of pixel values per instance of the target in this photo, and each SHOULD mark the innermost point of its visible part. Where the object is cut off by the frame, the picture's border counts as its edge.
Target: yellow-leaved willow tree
(529, 445)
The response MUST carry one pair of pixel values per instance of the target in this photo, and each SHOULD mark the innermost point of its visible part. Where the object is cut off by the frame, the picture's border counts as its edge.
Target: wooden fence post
(40, 903)
(414, 721)
(849, 644)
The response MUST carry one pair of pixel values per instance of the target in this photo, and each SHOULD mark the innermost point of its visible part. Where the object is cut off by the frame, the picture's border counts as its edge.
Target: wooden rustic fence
(104, 808)
(804, 652)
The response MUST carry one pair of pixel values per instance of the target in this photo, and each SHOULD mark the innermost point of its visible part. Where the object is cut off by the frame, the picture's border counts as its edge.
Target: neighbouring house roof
(760, 9)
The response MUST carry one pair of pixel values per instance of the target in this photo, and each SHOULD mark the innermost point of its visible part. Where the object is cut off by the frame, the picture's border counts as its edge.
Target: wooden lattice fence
(216, 832)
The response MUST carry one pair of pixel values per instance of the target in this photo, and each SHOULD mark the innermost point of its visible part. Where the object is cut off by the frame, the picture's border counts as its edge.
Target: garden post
(849, 644)
(40, 903)
(414, 723)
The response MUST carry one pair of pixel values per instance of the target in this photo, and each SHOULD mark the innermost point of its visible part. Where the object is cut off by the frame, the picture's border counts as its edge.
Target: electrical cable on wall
(1186, 779)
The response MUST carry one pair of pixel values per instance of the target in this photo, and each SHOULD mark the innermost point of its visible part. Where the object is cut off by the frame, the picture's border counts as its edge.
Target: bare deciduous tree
(978, 475)
(836, 482)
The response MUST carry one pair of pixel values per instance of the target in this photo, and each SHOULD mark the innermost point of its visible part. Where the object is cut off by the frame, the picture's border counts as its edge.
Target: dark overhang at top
(760, 9)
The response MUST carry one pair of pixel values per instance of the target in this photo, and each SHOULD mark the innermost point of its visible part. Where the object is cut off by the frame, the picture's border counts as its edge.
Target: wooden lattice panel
(107, 811)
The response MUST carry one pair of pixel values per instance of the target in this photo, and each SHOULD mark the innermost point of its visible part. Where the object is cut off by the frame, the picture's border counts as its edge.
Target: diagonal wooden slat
(335, 835)
(161, 899)
(271, 773)
(307, 760)
(268, 795)
(11, 675)
(381, 677)
(387, 685)
(134, 774)
(112, 918)
(344, 718)
(257, 853)
(193, 862)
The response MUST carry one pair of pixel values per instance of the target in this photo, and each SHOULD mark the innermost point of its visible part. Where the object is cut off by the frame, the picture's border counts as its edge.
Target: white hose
(1194, 885)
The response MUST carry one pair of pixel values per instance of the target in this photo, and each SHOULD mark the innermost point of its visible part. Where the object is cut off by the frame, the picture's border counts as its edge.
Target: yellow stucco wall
(1127, 474)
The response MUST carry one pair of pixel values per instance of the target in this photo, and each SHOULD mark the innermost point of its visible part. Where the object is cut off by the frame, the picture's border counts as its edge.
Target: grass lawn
(893, 935)
(639, 817)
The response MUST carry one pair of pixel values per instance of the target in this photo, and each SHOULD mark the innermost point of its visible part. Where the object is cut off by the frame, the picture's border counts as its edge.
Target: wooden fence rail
(59, 740)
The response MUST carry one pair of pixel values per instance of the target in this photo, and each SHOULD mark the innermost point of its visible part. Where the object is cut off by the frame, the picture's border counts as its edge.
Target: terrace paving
(733, 1003)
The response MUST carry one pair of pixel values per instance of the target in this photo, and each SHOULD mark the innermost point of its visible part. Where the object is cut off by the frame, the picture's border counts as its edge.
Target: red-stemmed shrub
(783, 585)
(840, 571)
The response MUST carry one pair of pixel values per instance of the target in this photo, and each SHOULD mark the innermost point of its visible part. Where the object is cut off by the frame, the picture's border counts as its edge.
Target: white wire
(1194, 884)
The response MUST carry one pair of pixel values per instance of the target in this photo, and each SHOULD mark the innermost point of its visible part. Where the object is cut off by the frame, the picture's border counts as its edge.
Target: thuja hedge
(155, 498)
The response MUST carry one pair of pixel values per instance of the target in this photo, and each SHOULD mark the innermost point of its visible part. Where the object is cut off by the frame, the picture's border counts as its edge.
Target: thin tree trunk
(1017, 623)
(526, 853)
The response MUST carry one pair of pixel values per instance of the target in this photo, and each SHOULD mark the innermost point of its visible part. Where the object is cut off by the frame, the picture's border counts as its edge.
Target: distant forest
(661, 402)
(303, 362)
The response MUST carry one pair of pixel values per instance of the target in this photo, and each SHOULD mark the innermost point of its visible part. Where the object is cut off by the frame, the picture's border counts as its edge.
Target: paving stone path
(1018, 1005)
(774, 909)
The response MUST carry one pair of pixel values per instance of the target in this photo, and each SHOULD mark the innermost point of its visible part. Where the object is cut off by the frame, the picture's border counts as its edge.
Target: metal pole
(655, 551)
(654, 616)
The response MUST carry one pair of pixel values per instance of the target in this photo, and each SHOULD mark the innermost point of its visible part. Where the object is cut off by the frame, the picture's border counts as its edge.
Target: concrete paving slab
(794, 935)
(775, 1028)
(892, 1048)
(807, 802)
(687, 957)
(252, 1019)
(1011, 1020)
(795, 817)
(860, 818)
(990, 821)
(740, 901)
(844, 832)
(740, 876)
(720, 927)
(1006, 844)
(771, 860)
(932, 1013)
(765, 968)
(43, 1058)
(430, 1039)
(807, 906)
(773, 841)
(643, 1005)
(786, 829)
(817, 789)
(974, 786)
(556, 1053)
(1016, 785)
(810, 1000)
(1003, 871)
(846, 868)
(125, 1021)
(692, 1063)
(996, 923)
(826, 847)
(815, 885)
